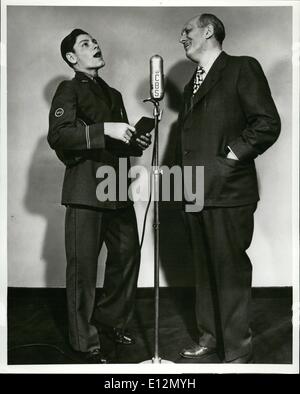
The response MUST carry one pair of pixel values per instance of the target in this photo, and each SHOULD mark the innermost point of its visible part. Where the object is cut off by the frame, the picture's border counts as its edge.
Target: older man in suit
(228, 119)
(88, 129)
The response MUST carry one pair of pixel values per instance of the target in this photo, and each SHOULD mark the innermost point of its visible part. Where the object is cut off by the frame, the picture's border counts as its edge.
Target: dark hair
(219, 29)
(67, 44)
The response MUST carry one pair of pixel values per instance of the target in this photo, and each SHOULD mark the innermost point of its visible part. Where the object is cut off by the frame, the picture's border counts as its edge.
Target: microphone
(156, 78)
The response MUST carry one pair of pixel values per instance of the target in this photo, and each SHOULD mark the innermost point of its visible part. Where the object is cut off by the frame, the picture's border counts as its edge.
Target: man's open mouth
(98, 54)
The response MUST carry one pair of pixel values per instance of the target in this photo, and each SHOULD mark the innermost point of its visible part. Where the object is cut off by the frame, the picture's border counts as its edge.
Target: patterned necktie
(199, 77)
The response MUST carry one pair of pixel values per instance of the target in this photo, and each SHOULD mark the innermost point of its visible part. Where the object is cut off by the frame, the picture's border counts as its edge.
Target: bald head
(218, 27)
(202, 34)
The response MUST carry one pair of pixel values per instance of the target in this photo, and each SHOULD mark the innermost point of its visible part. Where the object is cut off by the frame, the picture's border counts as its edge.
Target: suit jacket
(233, 107)
(76, 132)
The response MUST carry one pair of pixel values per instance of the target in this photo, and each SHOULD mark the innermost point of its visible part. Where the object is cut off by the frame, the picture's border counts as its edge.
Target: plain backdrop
(129, 36)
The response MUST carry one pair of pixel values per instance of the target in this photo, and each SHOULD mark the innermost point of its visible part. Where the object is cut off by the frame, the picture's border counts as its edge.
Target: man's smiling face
(193, 38)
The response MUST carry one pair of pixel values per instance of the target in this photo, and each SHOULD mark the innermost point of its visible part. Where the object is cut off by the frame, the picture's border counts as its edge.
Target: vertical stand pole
(156, 177)
(156, 174)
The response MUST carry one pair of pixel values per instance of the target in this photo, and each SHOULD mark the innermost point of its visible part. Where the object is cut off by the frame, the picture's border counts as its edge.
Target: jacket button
(186, 152)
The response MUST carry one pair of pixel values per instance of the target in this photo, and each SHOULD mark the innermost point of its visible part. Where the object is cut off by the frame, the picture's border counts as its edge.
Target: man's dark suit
(76, 132)
(233, 107)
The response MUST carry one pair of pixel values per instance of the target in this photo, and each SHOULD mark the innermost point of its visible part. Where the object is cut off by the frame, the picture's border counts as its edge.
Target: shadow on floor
(37, 328)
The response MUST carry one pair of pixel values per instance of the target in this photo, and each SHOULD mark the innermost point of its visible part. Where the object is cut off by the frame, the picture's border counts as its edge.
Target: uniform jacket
(76, 132)
(233, 107)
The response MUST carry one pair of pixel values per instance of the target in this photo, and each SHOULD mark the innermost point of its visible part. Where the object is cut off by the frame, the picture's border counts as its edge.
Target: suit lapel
(211, 79)
(187, 95)
(104, 92)
(98, 90)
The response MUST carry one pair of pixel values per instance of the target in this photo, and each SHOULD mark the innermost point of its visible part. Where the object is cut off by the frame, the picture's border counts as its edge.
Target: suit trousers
(220, 237)
(85, 231)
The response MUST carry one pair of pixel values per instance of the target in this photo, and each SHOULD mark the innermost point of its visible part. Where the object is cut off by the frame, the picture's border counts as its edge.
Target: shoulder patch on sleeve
(59, 112)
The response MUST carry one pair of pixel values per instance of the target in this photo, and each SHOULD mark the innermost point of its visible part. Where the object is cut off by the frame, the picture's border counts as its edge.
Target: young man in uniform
(88, 129)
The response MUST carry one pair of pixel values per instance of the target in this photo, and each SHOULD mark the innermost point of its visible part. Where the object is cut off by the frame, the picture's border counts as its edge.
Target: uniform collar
(102, 91)
(82, 77)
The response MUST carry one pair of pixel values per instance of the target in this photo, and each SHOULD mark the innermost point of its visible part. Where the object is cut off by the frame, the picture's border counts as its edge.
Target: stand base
(157, 361)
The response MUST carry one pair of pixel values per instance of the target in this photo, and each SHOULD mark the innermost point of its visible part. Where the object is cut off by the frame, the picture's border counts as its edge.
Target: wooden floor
(37, 327)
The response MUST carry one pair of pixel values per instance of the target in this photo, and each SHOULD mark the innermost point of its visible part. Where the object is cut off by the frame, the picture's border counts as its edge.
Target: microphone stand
(156, 175)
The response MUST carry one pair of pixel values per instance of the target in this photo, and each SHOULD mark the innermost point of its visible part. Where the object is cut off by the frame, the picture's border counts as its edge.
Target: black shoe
(246, 359)
(120, 336)
(94, 357)
(197, 351)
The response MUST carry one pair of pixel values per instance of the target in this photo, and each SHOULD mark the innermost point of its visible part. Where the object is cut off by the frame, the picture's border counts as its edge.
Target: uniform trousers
(85, 231)
(220, 237)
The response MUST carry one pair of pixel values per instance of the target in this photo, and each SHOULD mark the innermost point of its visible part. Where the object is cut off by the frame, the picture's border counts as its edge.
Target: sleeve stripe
(87, 136)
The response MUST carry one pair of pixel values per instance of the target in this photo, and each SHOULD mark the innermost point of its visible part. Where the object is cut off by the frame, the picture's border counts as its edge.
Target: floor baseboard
(145, 292)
